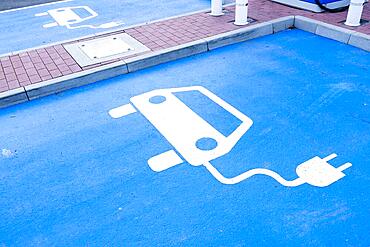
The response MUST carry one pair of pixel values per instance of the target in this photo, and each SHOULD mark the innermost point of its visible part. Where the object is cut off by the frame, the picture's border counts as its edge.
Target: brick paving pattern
(35, 66)
(51, 62)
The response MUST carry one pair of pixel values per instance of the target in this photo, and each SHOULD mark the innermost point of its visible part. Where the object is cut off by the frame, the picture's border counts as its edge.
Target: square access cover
(103, 49)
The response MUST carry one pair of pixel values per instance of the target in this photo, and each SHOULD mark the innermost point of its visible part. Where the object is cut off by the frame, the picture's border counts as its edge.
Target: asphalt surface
(12, 4)
(71, 175)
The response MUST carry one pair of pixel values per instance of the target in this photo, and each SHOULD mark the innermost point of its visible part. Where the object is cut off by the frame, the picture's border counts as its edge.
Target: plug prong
(344, 166)
(330, 157)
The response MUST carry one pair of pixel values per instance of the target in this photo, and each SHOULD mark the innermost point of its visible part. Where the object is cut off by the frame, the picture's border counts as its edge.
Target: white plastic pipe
(354, 13)
(241, 12)
(216, 7)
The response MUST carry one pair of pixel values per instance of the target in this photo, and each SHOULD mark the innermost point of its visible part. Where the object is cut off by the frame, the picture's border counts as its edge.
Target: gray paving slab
(76, 49)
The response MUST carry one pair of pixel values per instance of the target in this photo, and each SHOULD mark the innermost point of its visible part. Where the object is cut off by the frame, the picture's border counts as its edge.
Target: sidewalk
(34, 66)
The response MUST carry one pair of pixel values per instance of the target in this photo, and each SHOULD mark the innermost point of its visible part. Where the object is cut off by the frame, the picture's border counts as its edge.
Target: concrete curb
(360, 40)
(63, 83)
(340, 34)
(239, 35)
(334, 32)
(13, 97)
(166, 55)
(200, 46)
(306, 24)
(250, 32)
(283, 23)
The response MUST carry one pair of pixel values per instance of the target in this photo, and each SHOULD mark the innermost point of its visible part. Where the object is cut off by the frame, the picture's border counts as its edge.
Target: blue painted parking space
(214, 149)
(40, 25)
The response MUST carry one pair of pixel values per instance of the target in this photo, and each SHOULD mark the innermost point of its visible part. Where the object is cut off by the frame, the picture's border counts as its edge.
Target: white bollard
(241, 12)
(354, 13)
(216, 8)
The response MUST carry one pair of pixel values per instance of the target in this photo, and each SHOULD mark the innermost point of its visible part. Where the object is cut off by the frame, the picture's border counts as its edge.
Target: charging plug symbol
(318, 172)
(185, 131)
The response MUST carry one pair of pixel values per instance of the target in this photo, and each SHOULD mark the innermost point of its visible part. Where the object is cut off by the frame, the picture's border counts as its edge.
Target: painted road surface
(6, 5)
(40, 25)
(71, 175)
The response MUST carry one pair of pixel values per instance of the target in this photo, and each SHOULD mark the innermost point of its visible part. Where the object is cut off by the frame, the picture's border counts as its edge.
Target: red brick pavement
(35, 66)
(51, 62)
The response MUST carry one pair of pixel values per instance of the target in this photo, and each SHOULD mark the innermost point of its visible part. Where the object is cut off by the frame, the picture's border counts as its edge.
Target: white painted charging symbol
(186, 132)
(69, 18)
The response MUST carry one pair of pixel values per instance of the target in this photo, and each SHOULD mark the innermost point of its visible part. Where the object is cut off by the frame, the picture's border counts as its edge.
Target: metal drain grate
(104, 49)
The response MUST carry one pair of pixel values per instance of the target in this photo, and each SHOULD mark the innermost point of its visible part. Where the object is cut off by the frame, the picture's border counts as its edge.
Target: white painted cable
(250, 173)
(105, 25)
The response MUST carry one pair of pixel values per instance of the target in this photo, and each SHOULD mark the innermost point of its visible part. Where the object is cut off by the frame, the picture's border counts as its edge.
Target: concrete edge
(305, 24)
(13, 97)
(360, 40)
(166, 55)
(333, 32)
(283, 23)
(343, 35)
(239, 35)
(78, 79)
(250, 32)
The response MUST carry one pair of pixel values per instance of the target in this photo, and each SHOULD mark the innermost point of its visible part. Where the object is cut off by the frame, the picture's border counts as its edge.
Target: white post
(241, 12)
(354, 13)
(216, 7)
